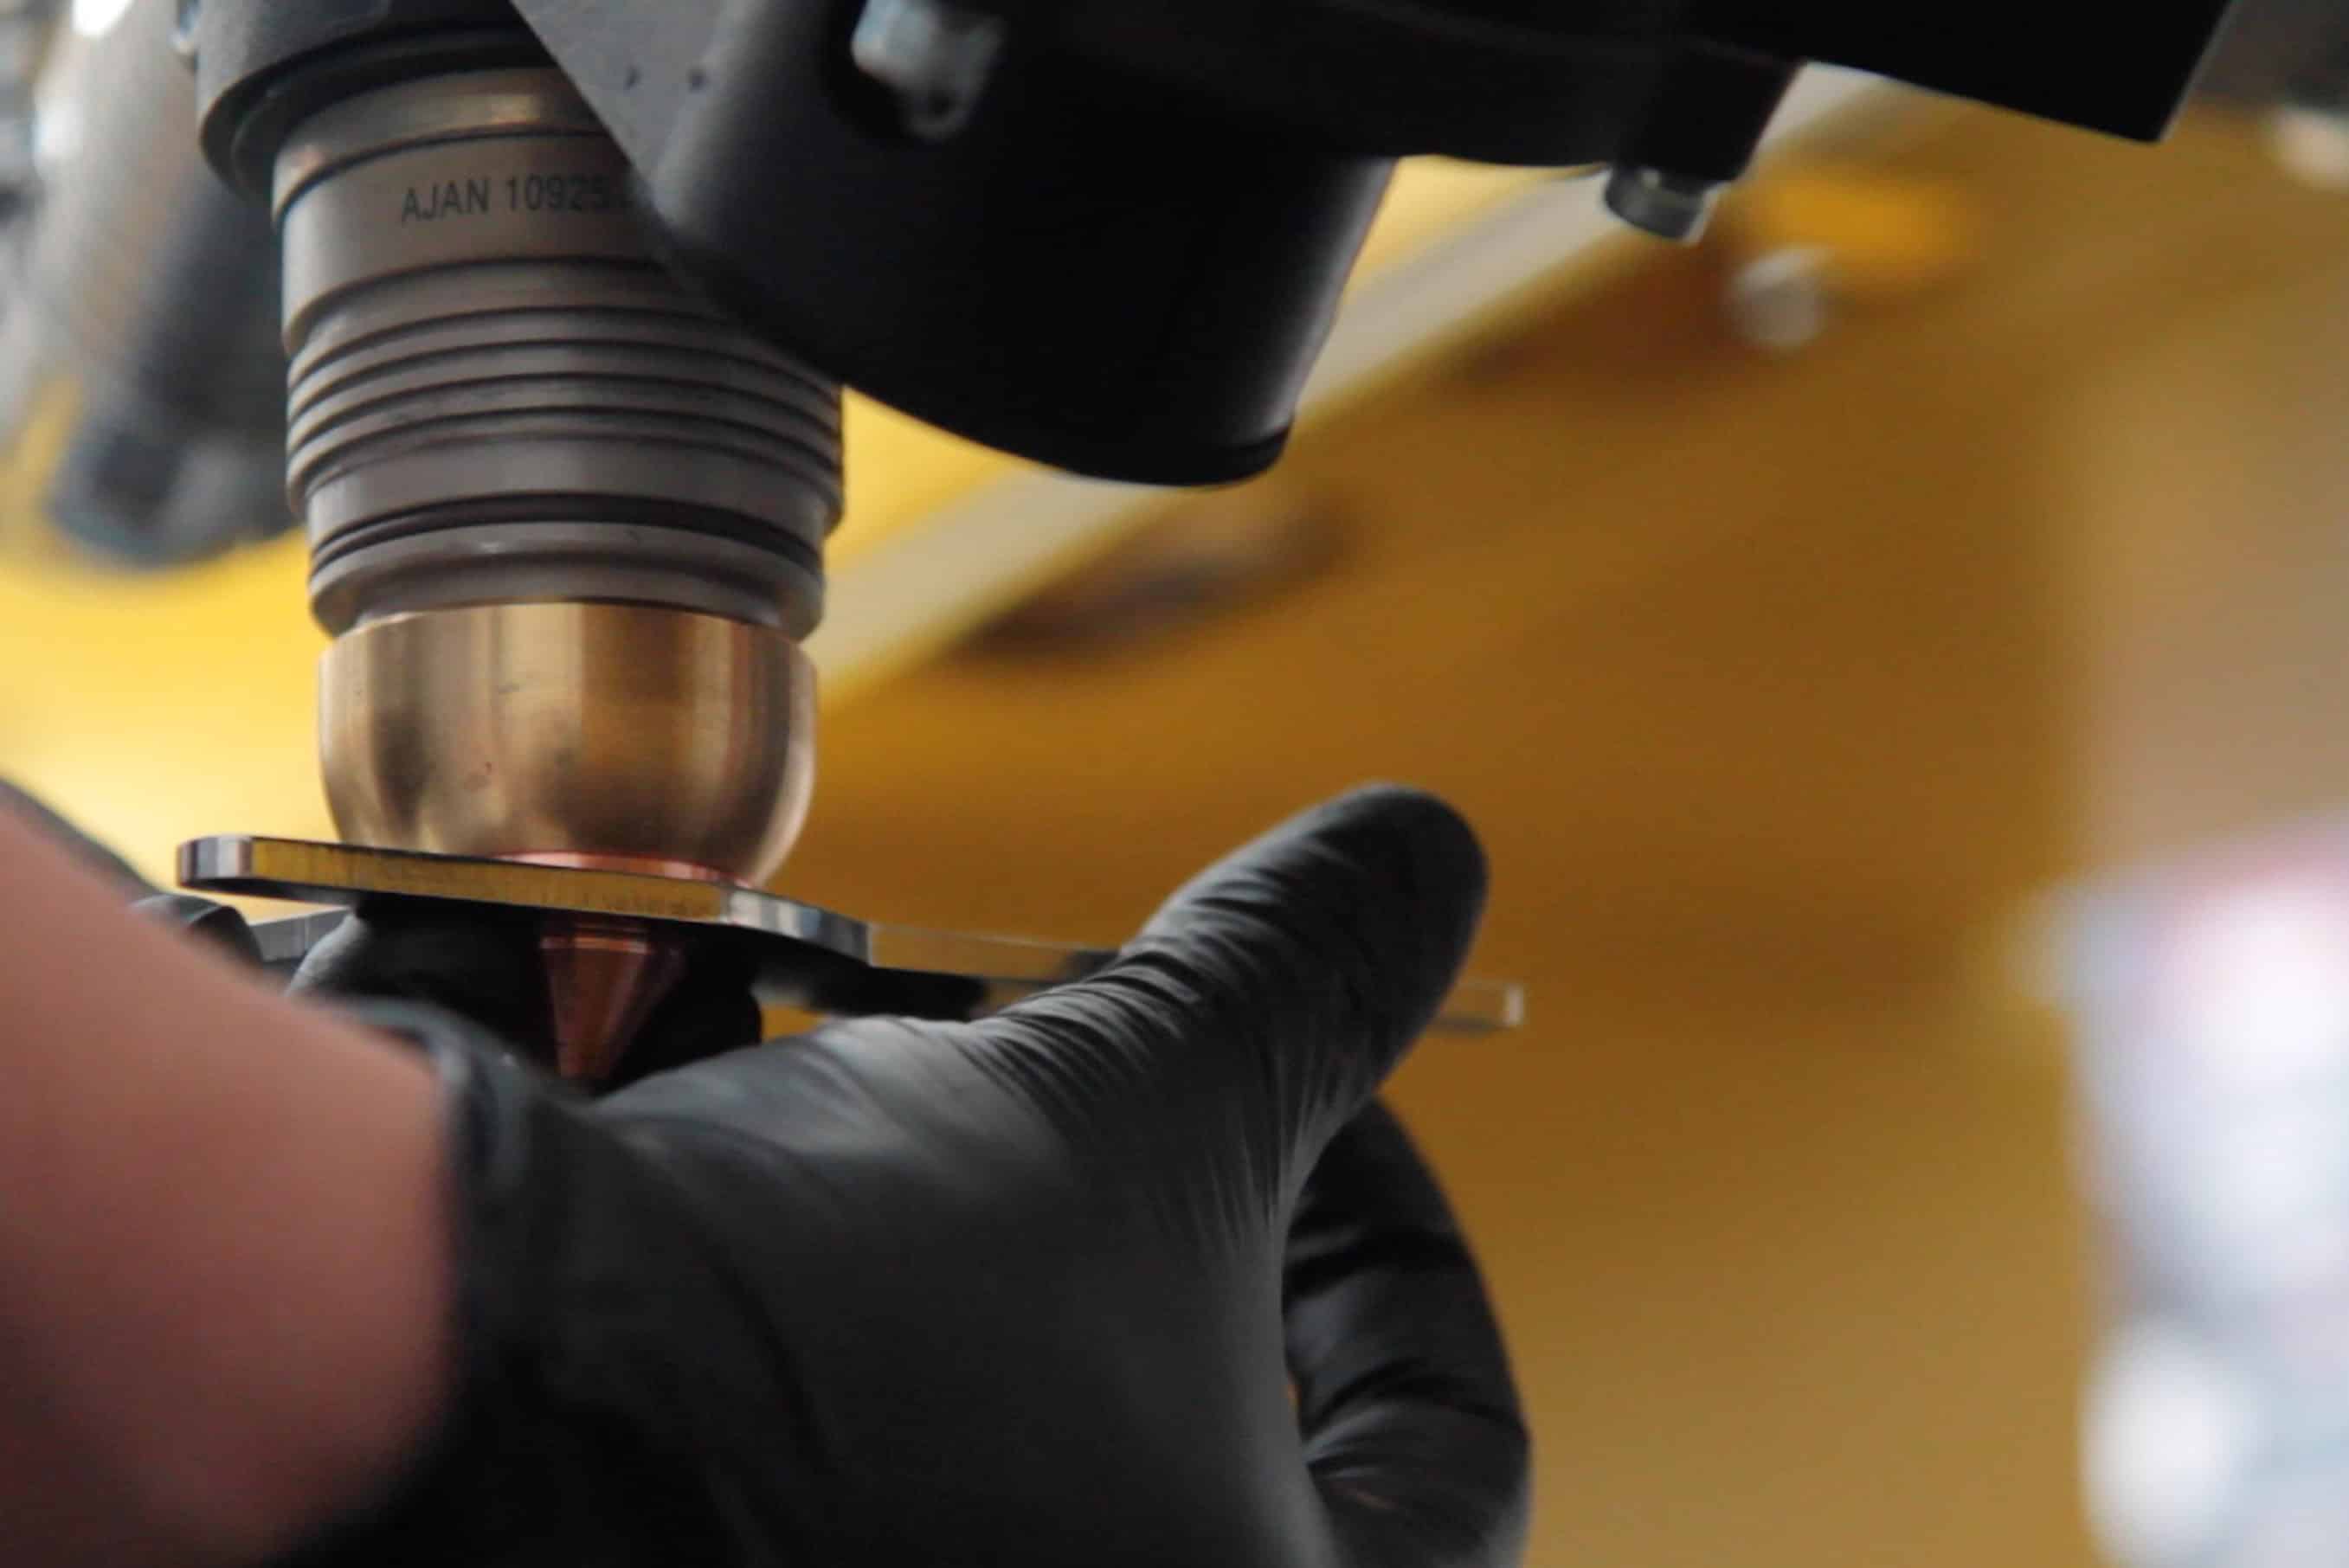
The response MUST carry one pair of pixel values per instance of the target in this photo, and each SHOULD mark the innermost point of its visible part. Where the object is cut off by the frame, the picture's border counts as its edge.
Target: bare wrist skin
(224, 1251)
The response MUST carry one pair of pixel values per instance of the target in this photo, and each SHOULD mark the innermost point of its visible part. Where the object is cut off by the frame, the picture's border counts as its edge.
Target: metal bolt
(935, 56)
(1670, 206)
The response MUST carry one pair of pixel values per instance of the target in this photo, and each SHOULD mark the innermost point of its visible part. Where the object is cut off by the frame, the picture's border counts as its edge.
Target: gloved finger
(481, 964)
(1285, 981)
(1412, 1424)
(225, 930)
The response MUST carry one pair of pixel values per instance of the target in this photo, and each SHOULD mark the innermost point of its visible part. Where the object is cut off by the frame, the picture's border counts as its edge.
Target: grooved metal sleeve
(498, 394)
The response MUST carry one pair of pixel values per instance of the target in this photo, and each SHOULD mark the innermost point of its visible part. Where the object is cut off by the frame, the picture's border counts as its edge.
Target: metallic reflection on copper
(555, 729)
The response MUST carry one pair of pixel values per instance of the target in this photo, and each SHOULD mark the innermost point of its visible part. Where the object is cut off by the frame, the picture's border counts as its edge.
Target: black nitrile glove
(1028, 1291)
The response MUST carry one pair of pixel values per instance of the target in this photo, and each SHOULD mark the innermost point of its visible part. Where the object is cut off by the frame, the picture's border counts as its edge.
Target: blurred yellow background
(1780, 683)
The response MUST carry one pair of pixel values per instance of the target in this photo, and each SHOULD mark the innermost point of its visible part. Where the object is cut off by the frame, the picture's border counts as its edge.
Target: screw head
(1670, 206)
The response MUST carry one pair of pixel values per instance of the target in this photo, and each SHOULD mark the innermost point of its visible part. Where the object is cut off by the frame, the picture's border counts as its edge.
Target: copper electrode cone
(606, 977)
(604, 980)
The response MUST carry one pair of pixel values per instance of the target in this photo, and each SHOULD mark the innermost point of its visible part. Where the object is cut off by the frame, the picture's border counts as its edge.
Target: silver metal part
(1670, 206)
(485, 348)
(490, 563)
(806, 956)
(142, 313)
(934, 55)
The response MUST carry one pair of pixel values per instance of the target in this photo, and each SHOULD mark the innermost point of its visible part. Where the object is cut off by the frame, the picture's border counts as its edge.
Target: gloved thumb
(1285, 981)
(479, 964)
(1413, 1429)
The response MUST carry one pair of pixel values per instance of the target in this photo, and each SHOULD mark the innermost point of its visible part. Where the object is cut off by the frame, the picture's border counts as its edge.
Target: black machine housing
(1125, 257)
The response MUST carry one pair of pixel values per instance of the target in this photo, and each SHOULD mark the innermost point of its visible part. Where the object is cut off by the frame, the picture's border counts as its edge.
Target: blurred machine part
(139, 364)
(25, 29)
(2288, 61)
(1813, 242)
(2213, 998)
(2274, 51)
(1219, 555)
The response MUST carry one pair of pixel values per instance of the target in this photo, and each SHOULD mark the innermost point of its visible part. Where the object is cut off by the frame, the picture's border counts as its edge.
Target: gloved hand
(1031, 1291)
